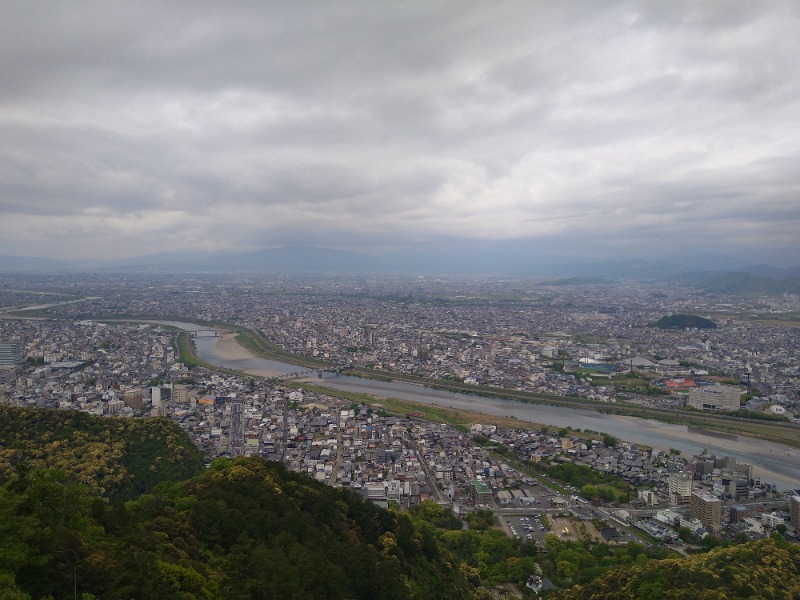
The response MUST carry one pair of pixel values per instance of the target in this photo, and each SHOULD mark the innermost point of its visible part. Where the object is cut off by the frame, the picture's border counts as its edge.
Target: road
(431, 479)
(337, 464)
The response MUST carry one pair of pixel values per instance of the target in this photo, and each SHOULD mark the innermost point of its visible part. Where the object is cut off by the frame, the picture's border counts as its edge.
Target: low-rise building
(481, 492)
(772, 520)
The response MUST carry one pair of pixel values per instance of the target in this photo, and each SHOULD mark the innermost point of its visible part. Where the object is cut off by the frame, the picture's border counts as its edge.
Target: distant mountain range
(288, 259)
(30, 263)
(472, 260)
(745, 282)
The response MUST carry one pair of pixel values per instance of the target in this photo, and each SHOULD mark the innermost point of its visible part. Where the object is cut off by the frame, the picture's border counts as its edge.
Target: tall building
(679, 486)
(10, 354)
(183, 394)
(715, 398)
(155, 396)
(794, 508)
(115, 407)
(133, 398)
(160, 395)
(707, 509)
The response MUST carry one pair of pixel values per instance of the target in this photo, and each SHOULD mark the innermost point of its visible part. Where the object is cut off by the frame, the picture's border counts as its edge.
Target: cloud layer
(611, 128)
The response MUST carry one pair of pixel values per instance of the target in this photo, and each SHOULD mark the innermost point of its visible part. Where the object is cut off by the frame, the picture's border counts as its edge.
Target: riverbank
(774, 462)
(227, 348)
(736, 444)
(769, 431)
(771, 460)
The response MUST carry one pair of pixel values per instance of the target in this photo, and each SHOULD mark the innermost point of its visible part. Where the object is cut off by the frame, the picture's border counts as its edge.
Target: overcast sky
(605, 128)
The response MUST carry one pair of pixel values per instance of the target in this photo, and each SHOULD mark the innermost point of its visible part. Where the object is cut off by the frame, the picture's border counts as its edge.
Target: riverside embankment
(775, 462)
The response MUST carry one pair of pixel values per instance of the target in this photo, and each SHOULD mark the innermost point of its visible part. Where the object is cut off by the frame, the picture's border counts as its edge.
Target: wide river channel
(774, 463)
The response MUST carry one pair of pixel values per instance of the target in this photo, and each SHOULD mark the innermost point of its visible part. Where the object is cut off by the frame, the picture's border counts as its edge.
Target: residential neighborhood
(116, 366)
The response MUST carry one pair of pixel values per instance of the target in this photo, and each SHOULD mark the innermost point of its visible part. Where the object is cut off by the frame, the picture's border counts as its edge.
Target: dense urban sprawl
(580, 340)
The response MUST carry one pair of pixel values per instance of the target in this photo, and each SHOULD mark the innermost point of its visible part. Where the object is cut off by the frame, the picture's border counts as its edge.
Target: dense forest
(113, 508)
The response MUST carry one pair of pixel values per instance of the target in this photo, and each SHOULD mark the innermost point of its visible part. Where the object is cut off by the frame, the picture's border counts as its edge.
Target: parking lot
(530, 528)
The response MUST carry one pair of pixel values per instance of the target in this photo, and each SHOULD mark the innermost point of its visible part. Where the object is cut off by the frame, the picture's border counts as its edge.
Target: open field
(789, 321)
(573, 529)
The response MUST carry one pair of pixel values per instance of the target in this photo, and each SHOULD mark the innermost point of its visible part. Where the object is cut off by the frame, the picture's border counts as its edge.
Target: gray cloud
(136, 127)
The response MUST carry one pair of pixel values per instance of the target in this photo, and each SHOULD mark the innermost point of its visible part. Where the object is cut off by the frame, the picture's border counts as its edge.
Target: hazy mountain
(161, 260)
(746, 283)
(763, 270)
(30, 263)
(582, 280)
(299, 259)
(479, 258)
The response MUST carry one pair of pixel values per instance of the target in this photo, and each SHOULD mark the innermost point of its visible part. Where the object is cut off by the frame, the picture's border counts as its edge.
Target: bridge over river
(308, 373)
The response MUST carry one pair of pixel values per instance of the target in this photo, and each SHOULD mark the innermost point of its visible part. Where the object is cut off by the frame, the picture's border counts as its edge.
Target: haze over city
(568, 129)
(400, 300)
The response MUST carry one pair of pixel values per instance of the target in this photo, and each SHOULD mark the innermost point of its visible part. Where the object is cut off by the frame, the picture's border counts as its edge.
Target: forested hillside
(241, 529)
(684, 321)
(765, 569)
(119, 509)
(109, 456)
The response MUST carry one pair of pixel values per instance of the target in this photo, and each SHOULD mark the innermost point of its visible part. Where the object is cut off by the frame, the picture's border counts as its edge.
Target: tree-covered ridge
(108, 455)
(249, 528)
(684, 321)
(765, 569)
(244, 529)
(319, 541)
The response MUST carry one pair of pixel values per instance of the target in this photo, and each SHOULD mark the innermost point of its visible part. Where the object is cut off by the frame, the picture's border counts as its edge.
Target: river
(775, 463)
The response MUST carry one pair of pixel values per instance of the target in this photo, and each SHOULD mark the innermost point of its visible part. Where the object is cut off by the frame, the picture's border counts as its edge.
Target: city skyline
(631, 129)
